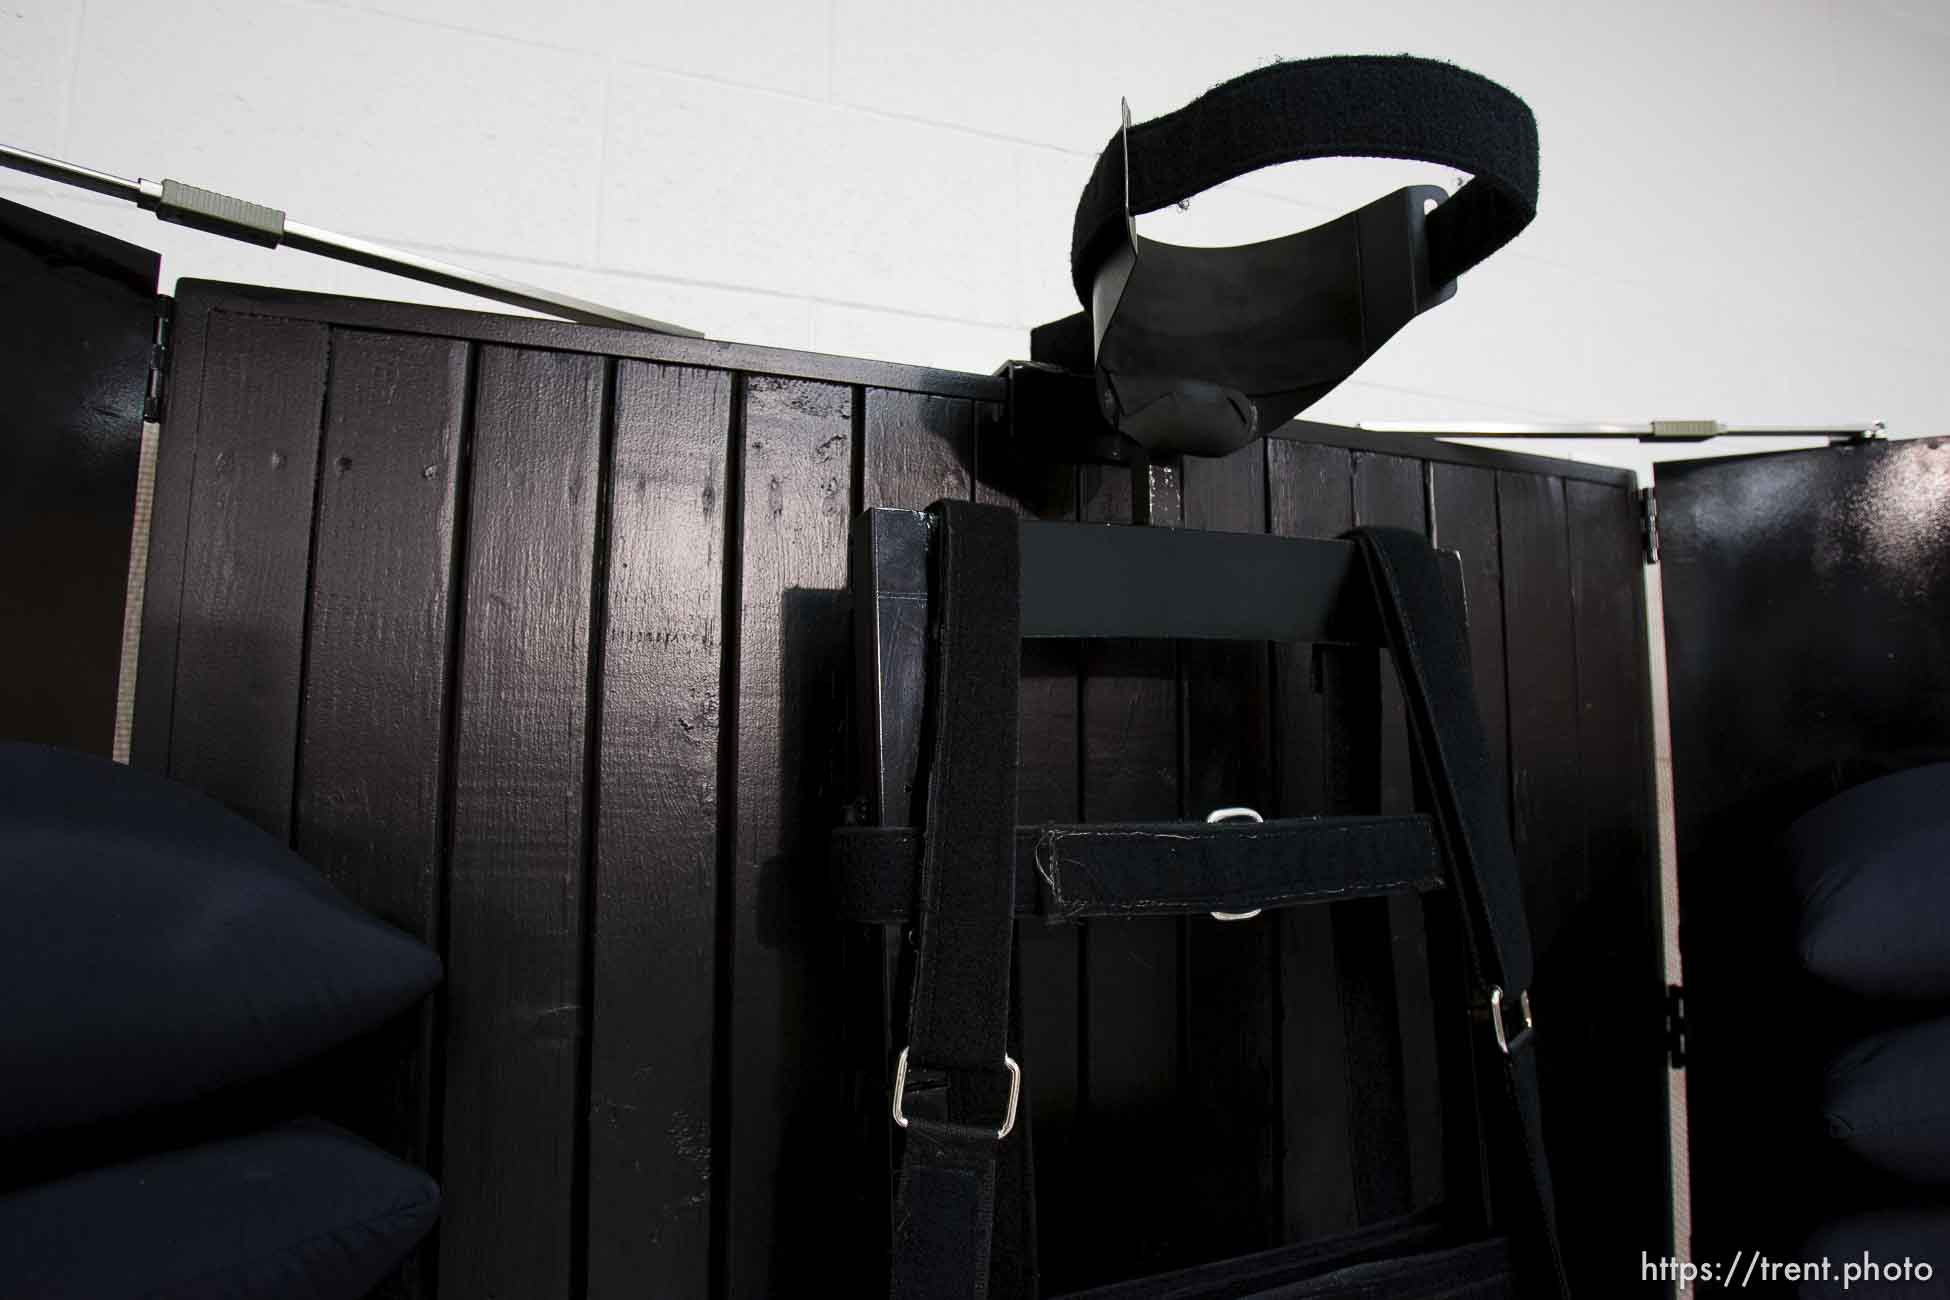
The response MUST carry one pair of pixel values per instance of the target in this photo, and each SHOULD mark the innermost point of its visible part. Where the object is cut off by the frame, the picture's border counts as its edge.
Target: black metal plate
(76, 339)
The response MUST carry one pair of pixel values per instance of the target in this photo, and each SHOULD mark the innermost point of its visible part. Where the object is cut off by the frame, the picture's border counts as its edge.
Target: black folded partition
(533, 637)
(1807, 609)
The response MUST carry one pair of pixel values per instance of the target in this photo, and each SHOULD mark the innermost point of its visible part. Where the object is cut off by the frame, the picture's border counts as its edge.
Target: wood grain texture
(241, 643)
(1547, 793)
(1392, 491)
(371, 760)
(1310, 494)
(787, 1069)
(655, 883)
(1232, 1198)
(1464, 519)
(515, 997)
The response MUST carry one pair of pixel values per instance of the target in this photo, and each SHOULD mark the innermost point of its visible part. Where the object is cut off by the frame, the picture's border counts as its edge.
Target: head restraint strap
(1376, 106)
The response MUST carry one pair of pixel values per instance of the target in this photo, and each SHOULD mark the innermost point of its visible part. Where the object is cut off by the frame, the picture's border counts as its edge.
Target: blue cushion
(1888, 1102)
(301, 1211)
(155, 947)
(1872, 866)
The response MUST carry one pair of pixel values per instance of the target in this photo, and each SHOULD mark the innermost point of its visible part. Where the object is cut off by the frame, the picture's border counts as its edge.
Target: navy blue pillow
(1872, 866)
(155, 946)
(301, 1211)
(1888, 1102)
(1894, 1255)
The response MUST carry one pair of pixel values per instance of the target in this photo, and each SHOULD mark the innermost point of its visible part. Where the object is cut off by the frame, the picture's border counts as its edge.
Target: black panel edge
(567, 336)
(1423, 447)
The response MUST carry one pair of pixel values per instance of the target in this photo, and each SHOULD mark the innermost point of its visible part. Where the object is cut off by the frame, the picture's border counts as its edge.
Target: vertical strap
(1432, 656)
(956, 1088)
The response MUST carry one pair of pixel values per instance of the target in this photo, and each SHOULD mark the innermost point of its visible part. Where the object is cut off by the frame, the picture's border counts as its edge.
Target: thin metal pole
(1653, 431)
(219, 214)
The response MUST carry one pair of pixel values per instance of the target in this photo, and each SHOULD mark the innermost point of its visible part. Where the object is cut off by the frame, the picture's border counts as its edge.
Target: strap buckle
(1507, 1042)
(1234, 815)
(1008, 1117)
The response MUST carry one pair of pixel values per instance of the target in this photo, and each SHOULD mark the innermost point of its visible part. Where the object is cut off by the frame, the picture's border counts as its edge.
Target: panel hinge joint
(152, 397)
(1649, 523)
(1676, 1026)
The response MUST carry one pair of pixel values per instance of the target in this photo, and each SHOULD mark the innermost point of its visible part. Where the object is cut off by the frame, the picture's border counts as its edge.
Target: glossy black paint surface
(77, 323)
(1807, 606)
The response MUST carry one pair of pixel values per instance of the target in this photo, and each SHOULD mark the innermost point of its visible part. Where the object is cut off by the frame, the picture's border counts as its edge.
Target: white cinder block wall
(1740, 220)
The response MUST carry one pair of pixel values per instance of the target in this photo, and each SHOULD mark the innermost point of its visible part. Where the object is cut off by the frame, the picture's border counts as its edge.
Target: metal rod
(184, 205)
(1652, 431)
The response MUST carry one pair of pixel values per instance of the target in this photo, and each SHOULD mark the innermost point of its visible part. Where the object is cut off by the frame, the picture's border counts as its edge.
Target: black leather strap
(1383, 106)
(956, 1086)
(1432, 656)
(1159, 868)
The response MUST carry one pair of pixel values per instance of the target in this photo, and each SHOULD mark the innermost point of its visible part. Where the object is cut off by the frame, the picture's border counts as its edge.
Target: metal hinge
(1676, 1026)
(152, 398)
(1649, 524)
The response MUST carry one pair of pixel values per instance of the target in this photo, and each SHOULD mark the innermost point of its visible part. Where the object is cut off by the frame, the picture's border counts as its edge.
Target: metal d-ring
(1234, 815)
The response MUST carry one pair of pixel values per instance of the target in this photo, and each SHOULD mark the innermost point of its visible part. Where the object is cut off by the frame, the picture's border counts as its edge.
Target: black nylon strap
(1069, 872)
(957, 1085)
(1432, 657)
(1350, 106)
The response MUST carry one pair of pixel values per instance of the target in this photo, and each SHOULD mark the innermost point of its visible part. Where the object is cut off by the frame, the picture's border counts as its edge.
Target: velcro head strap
(1349, 106)
(1198, 350)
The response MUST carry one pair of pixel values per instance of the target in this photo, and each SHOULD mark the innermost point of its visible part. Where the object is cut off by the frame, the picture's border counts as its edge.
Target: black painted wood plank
(1540, 650)
(371, 762)
(1547, 794)
(515, 996)
(783, 1057)
(915, 450)
(1464, 519)
(1392, 490)
(1049, 957)
(1231, 1200)
(1309, 494)
(1134, 1142)
(247, 554)
(655, 882)
(1609, 1055)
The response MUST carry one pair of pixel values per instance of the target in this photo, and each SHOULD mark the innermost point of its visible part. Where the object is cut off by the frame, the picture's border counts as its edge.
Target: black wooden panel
(76, 334)
(1608, 951)
(600, 930)
(654, 916)
(783, 1054)
(1231, 1199)
(373, 728)
(241, 636)
(1134, 1144)
(515, 998)
(1807, 605)
(1310, 493)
